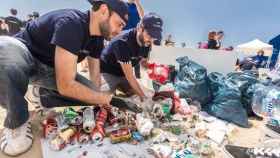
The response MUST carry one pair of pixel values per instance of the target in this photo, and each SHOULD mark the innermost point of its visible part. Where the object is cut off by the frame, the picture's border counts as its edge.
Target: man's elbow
(63, 88)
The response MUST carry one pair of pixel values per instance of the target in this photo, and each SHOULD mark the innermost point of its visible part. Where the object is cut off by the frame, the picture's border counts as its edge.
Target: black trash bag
(226, 102)
(244, 80)
(191, 81)
(216, 82)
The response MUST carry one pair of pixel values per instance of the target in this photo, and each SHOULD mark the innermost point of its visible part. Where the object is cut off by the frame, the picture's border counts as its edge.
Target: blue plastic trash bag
(226, 103)
(243, 81)
(191, 81)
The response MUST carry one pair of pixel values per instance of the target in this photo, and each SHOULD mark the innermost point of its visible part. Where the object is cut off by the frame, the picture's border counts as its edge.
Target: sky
(188, 20)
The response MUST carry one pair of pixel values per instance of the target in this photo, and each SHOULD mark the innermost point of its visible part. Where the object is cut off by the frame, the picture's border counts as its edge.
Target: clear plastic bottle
(88, 120)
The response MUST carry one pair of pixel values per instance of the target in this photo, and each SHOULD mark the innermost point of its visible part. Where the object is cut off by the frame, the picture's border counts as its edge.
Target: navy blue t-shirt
(133, 16)
(68, 28)
(122, 49)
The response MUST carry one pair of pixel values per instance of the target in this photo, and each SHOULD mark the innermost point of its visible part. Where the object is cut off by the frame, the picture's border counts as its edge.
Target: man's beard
(141, 39)
(105, 29)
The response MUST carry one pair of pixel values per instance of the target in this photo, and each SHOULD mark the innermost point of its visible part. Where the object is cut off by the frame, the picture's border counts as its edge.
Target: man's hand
(139, 8)
(65, 71)
(144, 63)
(128, 72)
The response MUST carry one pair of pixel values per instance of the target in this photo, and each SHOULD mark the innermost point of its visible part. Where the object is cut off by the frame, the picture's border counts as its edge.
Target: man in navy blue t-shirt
(46, 53)
(126, 51)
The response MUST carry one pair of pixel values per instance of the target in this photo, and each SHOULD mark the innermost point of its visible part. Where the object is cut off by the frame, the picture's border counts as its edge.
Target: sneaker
(17, 141)
(33, 98)
(243, 152)
(272, 131)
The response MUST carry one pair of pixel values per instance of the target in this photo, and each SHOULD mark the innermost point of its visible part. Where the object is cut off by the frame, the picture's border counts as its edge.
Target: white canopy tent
(252, 47)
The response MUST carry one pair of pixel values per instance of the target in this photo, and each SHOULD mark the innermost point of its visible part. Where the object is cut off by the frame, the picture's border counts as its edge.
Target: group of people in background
(215, 39)
(12, 24)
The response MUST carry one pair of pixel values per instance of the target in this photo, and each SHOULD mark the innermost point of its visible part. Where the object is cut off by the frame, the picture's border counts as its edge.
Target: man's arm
(128, 71)
(139, 8)
(66, 69)
(94, 71)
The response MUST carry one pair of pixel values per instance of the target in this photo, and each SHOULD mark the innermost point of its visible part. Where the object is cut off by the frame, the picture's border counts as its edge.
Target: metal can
(120, 135)
(49, 128)
(61, 122)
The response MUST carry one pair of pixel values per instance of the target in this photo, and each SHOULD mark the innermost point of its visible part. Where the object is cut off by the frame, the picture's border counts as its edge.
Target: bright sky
(188, 20)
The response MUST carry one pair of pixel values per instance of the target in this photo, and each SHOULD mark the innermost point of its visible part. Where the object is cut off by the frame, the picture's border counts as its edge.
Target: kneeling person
(126, 51)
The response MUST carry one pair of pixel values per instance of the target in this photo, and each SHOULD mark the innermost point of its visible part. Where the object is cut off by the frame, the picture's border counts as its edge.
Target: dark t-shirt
(122, 49)
(66, 28)
(213, 44)
(14, 24)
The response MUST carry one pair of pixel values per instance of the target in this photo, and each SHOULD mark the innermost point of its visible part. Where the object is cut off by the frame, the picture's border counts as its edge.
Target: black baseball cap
(118, 6)
(153, 25)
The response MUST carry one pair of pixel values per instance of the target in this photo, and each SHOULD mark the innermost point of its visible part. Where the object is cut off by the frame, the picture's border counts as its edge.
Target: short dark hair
(13, 11)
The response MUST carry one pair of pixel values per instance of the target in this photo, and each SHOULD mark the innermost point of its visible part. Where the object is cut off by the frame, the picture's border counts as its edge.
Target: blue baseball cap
(153, 25)
(118, 6)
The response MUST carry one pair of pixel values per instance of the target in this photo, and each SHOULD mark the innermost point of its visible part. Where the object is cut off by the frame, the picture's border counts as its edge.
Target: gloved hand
(124, 104)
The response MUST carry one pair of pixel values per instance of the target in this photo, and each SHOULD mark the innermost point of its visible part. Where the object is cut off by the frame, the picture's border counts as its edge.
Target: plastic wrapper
(160, 151)
(266, 101)
(191, 81)
(158, 72)
(226, 104)
(144, 125)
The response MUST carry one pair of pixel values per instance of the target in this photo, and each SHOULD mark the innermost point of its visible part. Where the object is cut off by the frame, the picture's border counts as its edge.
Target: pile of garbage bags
(227, 97)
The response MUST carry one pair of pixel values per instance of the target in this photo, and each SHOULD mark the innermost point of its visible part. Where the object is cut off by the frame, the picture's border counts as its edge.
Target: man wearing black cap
(46, 53)
(126, 51)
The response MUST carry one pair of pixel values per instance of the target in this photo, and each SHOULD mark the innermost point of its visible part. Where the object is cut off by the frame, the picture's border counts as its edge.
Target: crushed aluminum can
(98, 133)
(83, 138)
(68, 134)
(77, 121)
(88, 120)
(97, 137)
(61, 122)
(120, 135)
(62, 139)
(57, 144)
(49, 128)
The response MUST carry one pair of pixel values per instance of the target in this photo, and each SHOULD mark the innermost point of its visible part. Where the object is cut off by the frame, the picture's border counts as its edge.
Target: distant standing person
(135, 13)
(169, 41)
(220, 36)
(36, 15)
(13, 22)
(212, 40)
(4, 29)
